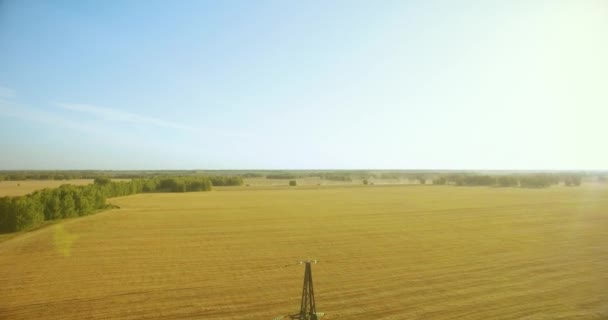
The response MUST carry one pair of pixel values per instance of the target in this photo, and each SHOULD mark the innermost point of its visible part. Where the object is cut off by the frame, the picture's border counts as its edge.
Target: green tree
(440, 181)
(102, 181)
(51, 204)
(7, 215)
(506, 181)
(84, 202)
(28, 213)
(68, 205)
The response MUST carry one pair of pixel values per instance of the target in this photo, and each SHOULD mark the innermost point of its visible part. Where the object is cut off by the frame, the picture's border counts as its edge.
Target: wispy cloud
(40, 116)
(10, 109)
(36, 115)
(122, 116)
(7, 93)
(111, 114)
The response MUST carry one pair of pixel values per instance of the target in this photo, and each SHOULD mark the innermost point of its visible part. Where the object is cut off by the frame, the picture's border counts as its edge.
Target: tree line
(336, 177)
(20, 175)
(285, 176)
(524, 181)
(68, 201)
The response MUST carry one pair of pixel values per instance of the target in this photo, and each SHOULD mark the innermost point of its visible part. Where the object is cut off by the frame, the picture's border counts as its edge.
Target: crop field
(386, 252)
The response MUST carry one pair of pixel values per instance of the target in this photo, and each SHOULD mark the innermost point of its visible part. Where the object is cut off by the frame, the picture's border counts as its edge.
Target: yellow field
(387, 252)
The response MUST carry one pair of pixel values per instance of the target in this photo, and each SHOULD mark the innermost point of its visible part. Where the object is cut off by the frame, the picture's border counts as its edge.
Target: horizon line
(317, 169)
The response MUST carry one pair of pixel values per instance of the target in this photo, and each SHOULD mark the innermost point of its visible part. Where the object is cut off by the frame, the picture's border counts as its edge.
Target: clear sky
(303, 84)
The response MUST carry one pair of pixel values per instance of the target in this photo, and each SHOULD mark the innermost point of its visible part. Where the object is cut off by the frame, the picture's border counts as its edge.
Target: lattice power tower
(308, 308)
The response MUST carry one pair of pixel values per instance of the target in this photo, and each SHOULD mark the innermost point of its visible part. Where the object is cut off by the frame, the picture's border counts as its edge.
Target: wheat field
(386, 252)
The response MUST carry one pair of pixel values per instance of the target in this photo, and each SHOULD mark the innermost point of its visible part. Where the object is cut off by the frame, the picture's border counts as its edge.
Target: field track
(386, 252)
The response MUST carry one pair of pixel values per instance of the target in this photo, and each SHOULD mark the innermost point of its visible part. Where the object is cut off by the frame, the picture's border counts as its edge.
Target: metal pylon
(308, 309)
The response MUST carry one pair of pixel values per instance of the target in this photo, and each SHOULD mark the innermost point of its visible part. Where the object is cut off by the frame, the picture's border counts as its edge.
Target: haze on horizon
(303, 85)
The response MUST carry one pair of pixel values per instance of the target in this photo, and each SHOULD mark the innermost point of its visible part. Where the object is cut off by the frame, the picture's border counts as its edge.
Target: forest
(513, 180)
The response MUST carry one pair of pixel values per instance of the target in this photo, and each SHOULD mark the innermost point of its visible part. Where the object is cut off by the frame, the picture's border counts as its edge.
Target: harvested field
(386, 252)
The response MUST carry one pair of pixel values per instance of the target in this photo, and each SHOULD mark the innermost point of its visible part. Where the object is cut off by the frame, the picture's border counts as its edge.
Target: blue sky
(303, 84)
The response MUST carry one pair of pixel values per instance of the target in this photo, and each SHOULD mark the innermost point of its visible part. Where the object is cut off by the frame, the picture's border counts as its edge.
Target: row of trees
(178, 185)
(219, 181)
(285, 176)
(571, 181)
(92, 174)
(270, 174)
(524, 181)
(336, 177)
(68, 201)
(42, 176)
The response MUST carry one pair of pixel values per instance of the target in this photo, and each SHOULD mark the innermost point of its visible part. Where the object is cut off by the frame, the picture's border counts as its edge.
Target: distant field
(387, 252)
(314, 181)
(19, 188)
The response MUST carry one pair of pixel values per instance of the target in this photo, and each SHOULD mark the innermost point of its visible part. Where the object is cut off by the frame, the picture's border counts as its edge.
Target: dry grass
(387, 252)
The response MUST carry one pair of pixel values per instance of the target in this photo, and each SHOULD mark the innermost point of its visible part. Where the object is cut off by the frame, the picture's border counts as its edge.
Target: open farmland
(387, 252)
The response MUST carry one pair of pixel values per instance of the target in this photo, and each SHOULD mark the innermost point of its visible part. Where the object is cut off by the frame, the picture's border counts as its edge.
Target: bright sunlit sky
(303, 84)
